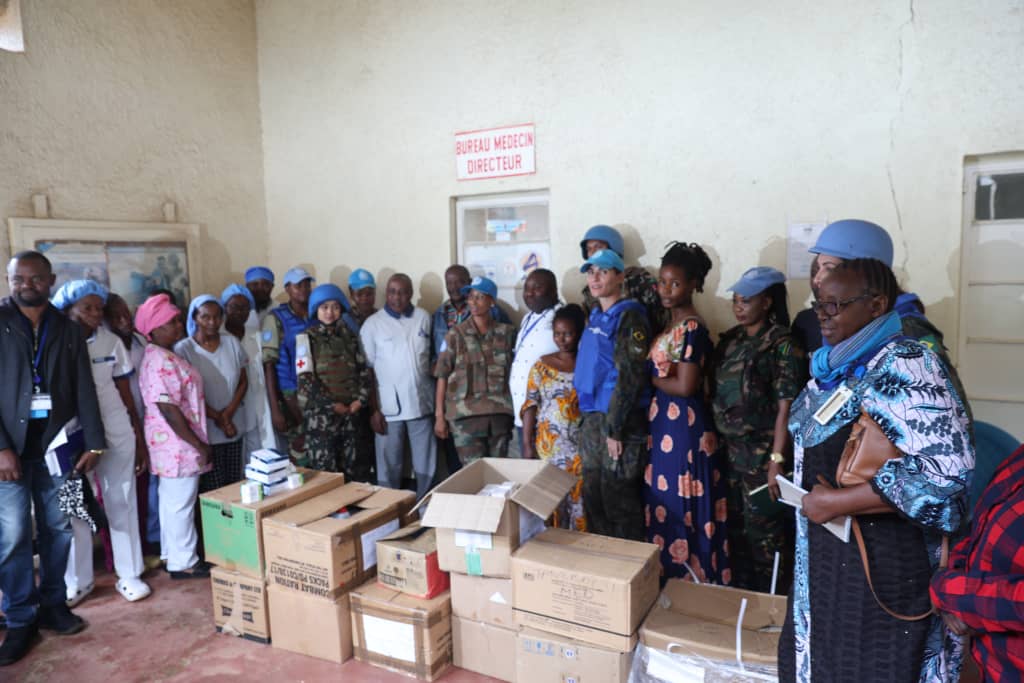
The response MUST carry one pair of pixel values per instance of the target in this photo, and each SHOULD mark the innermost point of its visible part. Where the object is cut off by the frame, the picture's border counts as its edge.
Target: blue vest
(291, 325)
(596, 373)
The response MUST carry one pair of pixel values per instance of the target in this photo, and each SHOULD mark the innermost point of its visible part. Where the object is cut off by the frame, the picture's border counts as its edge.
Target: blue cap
(360, 279)
(190, 322)
(756, 280)
(296, 275)
(259, 273)
(607, 234)
(853, 238)
(481, 284)
(233, 290)
(606, 258)
(73, 290)
(327, 292)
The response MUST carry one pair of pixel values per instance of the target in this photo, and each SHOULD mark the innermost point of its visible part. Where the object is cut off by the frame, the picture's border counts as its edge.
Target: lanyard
(38, 342)
(528, 330)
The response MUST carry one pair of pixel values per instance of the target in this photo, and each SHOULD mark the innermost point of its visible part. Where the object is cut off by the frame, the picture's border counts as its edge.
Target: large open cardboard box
(477, 534)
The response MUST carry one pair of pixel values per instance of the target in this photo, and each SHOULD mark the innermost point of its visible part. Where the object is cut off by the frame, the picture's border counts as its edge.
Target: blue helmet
(605, 233)
(852, 238)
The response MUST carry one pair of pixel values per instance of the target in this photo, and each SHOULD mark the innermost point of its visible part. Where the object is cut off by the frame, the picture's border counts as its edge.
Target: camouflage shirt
(640, 285)
(750, 376)
(627, 409)
(330, 366)
(477, 368)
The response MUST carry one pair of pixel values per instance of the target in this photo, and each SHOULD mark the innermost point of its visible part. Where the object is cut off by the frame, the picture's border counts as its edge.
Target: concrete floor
(169, 636)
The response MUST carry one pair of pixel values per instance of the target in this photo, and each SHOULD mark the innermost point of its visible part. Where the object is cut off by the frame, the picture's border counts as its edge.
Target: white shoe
(76, 595)
(133, 589)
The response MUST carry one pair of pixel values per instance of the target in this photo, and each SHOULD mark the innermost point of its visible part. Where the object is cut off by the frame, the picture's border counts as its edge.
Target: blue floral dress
(684, 491)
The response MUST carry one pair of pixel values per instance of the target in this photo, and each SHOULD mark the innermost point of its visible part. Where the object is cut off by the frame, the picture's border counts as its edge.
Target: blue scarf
(829, 364)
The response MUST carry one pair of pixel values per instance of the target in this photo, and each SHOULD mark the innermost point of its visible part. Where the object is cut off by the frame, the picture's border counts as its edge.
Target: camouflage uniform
(478, 405)
(331, 369)
(751, 375)
(270, 343)
(613, 488)
(640, 285)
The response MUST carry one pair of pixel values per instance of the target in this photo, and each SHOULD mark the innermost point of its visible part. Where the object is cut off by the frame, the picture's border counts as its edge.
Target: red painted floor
(169, 636)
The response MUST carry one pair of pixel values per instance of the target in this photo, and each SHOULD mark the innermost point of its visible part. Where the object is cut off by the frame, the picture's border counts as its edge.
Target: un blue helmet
(852, 238)
(605, 233)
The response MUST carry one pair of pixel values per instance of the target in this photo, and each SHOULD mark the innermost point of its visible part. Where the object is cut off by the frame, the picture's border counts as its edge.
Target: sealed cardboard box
(482, 598)
(485, 648)
(489, 508)
(700, 619)
(317, 627)
(396, 631)
(546, 658)
(232, 530)
(592, 588)
(327, 545)
(407, 562)
(240, 605)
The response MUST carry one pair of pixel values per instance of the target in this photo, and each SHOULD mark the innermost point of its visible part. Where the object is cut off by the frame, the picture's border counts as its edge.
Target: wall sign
(495, 153)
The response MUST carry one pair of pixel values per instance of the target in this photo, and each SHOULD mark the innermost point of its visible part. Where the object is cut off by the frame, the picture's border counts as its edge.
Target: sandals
(200, 570)
(133, 589)
(78, 594)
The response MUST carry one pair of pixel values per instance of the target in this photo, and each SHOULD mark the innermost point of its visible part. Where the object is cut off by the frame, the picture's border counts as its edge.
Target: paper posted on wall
(793, 495)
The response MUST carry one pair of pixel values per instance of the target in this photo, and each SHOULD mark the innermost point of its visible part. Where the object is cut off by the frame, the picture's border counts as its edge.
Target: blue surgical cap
(236, 290)
(190, 322)
(72, 291)
(259, 273)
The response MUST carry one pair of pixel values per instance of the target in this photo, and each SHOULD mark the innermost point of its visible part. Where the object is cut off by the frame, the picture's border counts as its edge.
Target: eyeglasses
(833, 308)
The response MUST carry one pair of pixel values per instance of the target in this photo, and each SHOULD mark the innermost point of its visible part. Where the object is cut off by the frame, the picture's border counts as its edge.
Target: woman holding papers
(836, 627)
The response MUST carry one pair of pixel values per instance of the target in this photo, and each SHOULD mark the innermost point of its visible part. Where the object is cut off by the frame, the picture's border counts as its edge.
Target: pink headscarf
(154, 312)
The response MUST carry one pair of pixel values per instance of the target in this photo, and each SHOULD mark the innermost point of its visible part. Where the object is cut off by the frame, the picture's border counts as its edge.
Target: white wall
(694, 121)
(119, 106)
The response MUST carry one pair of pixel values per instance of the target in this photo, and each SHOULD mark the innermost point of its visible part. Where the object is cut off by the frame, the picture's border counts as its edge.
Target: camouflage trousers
(755, 535)
(612, 488)
(286, 440)
(482, 436)
(340, 443)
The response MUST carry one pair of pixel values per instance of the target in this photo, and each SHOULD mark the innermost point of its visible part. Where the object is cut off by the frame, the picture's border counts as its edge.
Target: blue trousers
(17, 577)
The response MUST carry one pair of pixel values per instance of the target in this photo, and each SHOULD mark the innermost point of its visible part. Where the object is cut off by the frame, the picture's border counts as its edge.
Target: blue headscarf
(327, 292)
(831, 364)
(190, 322)
(72, 291)
(259, 273)
(236, 290)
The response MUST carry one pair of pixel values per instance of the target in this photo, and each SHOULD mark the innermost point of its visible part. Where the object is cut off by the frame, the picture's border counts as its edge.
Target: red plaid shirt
(984, 583)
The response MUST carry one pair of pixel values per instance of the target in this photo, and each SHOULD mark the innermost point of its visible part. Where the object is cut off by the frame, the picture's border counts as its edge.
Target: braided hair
(877, 277)
(778, 314)
(691, 257)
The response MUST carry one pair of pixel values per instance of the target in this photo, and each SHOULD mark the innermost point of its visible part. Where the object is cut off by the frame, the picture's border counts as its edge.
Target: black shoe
(200, 570)
(60, 619)
(17, 644)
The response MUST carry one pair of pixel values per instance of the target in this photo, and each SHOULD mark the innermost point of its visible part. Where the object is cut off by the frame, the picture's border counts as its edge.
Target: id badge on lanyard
(42, 403)
(832, 405)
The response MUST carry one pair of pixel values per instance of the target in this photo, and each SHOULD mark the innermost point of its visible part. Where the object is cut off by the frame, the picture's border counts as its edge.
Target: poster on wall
(802, 235)
(508, 264)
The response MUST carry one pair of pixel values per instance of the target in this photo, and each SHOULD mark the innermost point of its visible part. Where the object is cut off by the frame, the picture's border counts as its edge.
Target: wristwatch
(777, 458)
(95, 451)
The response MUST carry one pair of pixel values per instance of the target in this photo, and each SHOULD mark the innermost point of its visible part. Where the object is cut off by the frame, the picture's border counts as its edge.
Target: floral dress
(558, 434)
(684, 491)
(167, 378)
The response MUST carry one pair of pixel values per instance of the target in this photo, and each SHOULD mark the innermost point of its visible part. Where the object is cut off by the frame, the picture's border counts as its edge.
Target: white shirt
(221, 371)
(533, 341)
(254, 323)
(255, 404)
(110, 361)
(398, 350)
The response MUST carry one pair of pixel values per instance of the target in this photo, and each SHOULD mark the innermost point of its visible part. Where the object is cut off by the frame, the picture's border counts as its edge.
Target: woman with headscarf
(175, 425)
(221, 362)
(125, 457)
(238, 303)
(334, 390)
(865, 615)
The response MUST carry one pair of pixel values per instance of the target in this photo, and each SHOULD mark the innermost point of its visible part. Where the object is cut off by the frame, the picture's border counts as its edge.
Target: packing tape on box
(420, 623)
(474, 566)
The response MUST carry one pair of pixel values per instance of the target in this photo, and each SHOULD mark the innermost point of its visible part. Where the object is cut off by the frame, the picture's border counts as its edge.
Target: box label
(369, 542)
(473, 539)
(389, 638)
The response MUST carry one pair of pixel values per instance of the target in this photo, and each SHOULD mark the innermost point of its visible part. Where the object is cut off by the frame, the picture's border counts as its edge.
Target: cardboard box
(240, 605)
(546, 658)
(309, 625)
(485, 649)
(476, 534)
(407, 562)
(232, 530)
(311, 551)
(592, 588)
(402, 633)
(701, 619)
(481, 598)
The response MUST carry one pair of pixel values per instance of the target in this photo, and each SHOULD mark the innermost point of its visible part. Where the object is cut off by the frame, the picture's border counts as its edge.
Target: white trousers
(114, 477)
(178, 536)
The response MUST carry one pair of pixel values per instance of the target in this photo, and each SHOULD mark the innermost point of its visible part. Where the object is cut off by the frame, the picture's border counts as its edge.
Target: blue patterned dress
(835, 631)
(684, 490)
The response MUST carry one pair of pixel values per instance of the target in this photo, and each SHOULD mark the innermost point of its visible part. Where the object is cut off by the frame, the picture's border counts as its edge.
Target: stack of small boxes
(268, 472)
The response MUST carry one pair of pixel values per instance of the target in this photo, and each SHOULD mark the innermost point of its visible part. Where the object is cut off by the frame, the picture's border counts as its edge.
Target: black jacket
(66, 373)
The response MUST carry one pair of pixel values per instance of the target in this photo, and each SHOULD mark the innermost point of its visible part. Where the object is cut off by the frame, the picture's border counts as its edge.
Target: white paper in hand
(793, 495)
